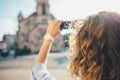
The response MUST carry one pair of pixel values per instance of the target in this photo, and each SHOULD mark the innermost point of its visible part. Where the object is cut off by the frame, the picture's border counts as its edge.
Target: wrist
(48, 37)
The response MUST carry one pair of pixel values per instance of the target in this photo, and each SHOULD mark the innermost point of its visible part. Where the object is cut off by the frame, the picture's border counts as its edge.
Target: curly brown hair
(96, 48)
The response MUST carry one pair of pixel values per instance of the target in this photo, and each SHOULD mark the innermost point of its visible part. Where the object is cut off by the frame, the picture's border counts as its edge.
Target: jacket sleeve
(40, 72)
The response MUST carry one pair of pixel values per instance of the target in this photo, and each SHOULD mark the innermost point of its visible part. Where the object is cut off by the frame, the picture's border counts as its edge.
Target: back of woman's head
(96, 48)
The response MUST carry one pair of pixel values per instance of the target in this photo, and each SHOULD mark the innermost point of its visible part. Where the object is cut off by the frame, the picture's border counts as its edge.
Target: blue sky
(9, 9)
(61, 9)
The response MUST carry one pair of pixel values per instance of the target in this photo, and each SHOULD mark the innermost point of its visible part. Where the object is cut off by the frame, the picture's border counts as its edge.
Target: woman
(96, 49)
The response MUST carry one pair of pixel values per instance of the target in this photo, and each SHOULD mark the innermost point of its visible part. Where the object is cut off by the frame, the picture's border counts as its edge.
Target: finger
(53, 23)
(58, 25)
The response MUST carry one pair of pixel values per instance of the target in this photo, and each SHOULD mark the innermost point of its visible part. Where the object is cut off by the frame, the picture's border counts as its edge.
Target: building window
(43, 9)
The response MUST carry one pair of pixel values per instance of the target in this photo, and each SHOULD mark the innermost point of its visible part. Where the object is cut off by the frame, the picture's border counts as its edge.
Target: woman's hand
(54, 28)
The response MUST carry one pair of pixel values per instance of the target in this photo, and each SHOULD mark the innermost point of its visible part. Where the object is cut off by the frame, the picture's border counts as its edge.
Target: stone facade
(31, 30)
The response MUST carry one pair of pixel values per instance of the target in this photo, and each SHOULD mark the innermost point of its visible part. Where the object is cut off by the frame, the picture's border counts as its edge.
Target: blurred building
(3, 45)
(3, 48)
(8, 45)
(10, 40)
(31, 30)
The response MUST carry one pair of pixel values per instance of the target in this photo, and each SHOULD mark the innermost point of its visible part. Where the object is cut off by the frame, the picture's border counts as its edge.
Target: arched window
(43, 9)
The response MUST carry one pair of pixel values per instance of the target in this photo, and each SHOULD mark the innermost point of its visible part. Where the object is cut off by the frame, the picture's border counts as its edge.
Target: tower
(42, 7)
(31, 30)
(20, 17)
